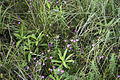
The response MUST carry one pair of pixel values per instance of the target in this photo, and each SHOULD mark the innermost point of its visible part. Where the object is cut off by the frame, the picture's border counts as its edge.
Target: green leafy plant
(63, 59)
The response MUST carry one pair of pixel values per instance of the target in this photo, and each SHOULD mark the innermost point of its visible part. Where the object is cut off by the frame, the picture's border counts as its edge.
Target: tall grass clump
(60, 39)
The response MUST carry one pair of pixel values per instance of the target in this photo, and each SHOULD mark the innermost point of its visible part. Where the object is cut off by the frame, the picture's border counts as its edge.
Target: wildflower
(43, 64)
(48, 50)
(48, 0)
(70, 48)
(2, 54)
(50, 45)
(101, 57)
(118, 76)
(51, 42)
(59, 69)
(65, 2)
(0, 65)
(47, 35)
(42, 53)
(107, 57)
(42, 77)
(75, 30)
(73, 61)
(71, 40)
(30, 3)
(51, 70)
(51, 63)
(58, 36)
(77, 39)
(62, 71)
(39, 63)
(30, 0)
(65, 40)
(18, 22)
(13, 42)
(57, 2)
(51, 57)
(74, 40)
(34, 58)
(75, 77)
(68, 45)
(54, 67)
(27, 67)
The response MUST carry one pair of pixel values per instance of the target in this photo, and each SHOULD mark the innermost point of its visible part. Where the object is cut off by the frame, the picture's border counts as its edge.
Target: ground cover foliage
(60, 39)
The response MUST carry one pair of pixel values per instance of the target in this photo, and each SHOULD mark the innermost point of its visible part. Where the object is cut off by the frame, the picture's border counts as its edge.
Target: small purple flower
(51, 42)
(101, 57)
(69, 51)
(58, 36)
(73, 61)
(43, 64)
(68, 45)
(30, 0)
(118, 76)
(42, 53)
(48, 0)
(76, 30)
(42, 77)
(31, 76)
(74, 40)
(65, 40)
(51, 63)
(107, 57)
(54, 39)
(65, 2)
(70, 48)
(75, 77)
(39, 63)
(27, 67)
(48, 50)
(71, 40)
(2, 54)
(47, 35)
(50, 45)
(54, 67)
(51, 70)
(51, 57)
(30, 3)
(62, 71)
(34, 58)
(59, 69)
(13, 42)
(18, 22)
(77, 39)
(0, 65)
(57, 2)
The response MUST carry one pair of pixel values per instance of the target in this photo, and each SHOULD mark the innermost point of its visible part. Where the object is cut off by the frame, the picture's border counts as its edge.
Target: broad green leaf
(56, 61)
(18, 43)
(43, 45)
(48, 5)
(21, 31)
(66, 65)
(69, 61)
(33, 36)
(39, 35)
(51, 77)
(69, 56)
(29, 57)
(65, 52)
(60, 55)
(17, 35)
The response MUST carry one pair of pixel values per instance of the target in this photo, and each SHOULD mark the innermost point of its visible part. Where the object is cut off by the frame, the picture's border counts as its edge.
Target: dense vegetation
(60, 40)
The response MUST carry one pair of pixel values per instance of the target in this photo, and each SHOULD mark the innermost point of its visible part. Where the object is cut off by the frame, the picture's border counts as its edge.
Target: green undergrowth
(60, 40)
